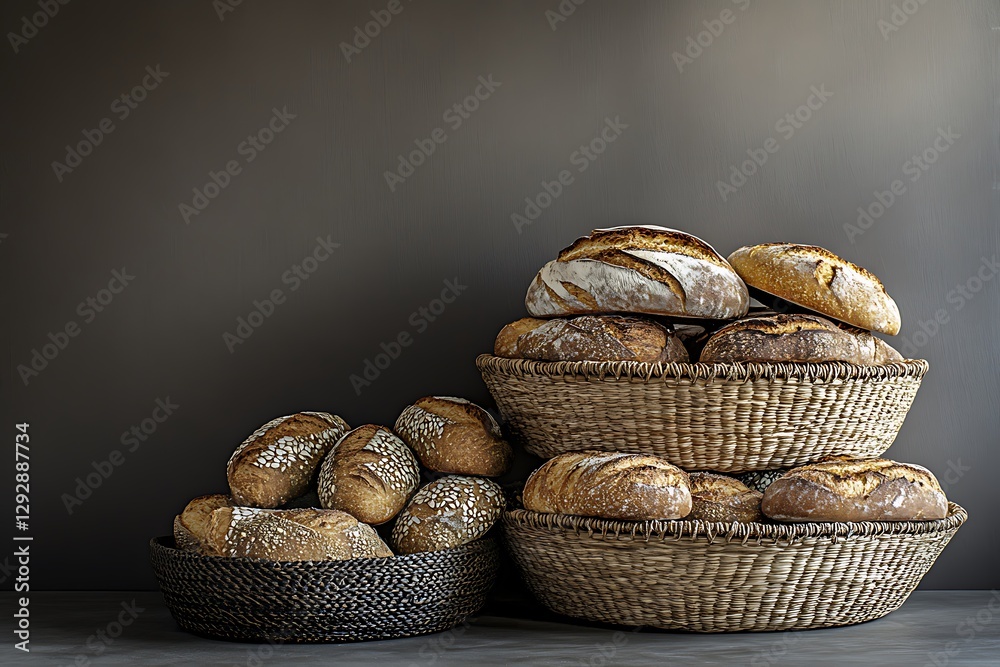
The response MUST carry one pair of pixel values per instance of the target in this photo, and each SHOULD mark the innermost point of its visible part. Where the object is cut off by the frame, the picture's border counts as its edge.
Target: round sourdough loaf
(721, 498)
(454, 435)
(278, 462)
(192, 525)
(817, 279)
(369, 473)
(631, 487)
(846, 489)
(448, 513)
(292, 535)
(640, 269)
(590, 338)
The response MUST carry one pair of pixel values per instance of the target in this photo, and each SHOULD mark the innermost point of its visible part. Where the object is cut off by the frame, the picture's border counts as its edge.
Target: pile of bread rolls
(309, 487)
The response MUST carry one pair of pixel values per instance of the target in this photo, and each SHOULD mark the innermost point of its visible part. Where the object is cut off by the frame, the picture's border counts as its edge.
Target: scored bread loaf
(590, 338)
(292, 535)
(611, 485)
(722, 498)
(846, 489)
(279, 461)
(191, 526)
(369, 473)
(638, 269)
(448, 513)
(817, 279)
(454, 435)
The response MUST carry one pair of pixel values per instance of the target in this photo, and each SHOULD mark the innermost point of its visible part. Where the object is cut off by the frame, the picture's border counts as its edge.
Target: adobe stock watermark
(696, 44)
(122, 107)
(967, 630)
(364, 34)
(419, 320)
(455, 116)
(899, 16)
(581, 158)
(248, 149)
(562, 12)
(294, 277)
(776, 651)
(98, 643)
(88, 310)
(914, 168)
(786, 126)
(31, 24)
(223, 7)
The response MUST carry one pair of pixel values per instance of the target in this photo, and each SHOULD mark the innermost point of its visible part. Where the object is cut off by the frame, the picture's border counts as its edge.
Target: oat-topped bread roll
(370, 473)
(759, 480)
(642, 269)
(279, 461)
(448, 513)
(611, 485)
(191, 526)
(846, 489)
(722, 498)
(794, 337)
(454, 435)
(286, 535)
(815, 278)
(590, 338)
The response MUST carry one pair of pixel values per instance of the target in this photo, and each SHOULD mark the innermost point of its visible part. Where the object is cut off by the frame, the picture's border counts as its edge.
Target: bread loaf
(819, 280)
(454, 435)
(448, 513)
(642, 269)
(590, 337)
(369, 473)
(631, 487)
(292, 535)
(721, 498)
(191, 526)
(279, 461)
(845, 489)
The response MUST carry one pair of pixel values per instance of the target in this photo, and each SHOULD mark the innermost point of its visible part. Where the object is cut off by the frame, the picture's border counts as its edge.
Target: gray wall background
(162, 337)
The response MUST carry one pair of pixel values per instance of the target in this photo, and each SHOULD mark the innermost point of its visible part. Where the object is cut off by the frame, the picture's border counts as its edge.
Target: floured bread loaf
(590, 338)
(611, 485)
(641, 269)
(721, 498)
(192, 525)
(448, 513)
(845, 489)
(819, 280)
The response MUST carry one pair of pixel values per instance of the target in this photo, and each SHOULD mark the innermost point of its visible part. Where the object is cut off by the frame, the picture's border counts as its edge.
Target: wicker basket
(324, 601)
(723, 417)
(711, 577)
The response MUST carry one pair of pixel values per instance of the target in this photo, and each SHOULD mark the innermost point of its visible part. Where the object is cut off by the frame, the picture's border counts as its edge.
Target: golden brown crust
(506, 342)
(191, 526)
(640, 238)
(721, 498)
(448, 513)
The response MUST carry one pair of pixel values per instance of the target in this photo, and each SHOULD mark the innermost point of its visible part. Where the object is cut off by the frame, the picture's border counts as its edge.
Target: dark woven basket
(249, 599)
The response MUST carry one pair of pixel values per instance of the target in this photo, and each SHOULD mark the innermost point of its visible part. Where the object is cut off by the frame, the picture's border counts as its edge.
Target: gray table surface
(934, 628)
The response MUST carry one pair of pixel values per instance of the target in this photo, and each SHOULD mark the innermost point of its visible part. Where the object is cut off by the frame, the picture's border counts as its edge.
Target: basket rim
(736, 531)
(738, 371)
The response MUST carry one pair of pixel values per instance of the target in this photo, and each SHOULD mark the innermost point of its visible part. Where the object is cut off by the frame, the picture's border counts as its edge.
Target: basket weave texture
(722, 417)
(250, 599)
(713, 577)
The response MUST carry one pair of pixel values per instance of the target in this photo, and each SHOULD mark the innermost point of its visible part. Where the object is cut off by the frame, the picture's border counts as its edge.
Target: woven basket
(723, 417)
(251, 599)
(712, 577)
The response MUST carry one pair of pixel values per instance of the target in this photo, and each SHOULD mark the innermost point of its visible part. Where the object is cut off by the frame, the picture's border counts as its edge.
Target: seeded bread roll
(292, 535)
(815, 278)
(453, 435)
(191, 526)
(590, 337)
(631, 487)
(641, 269)
(845, 489)
(279, 461)
(721, 498)
(448, 513)
(369, 473)
(759, 480)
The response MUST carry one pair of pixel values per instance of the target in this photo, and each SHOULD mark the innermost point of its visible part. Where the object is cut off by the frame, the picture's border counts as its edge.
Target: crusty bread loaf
(612, 485)
(590, 338)
(793, 338)
(447, 513)
(759, 480)
(819, 280)
(454, 435)
(369, 473)
(191, 526)
(846, 489)
(287, 535)
(279, 461)
(641, 269)
(721, 498)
